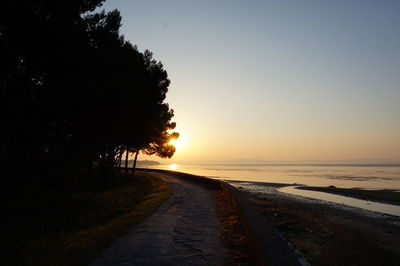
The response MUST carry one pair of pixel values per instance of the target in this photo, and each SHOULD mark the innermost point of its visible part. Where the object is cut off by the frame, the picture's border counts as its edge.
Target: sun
(173, 166)
(176, 142)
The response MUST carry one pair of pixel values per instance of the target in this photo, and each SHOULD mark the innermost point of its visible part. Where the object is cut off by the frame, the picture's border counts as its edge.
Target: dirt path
(183, 231)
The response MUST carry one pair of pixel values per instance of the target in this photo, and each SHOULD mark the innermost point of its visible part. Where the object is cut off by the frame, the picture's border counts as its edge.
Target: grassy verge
(233, 233)
(72, 229)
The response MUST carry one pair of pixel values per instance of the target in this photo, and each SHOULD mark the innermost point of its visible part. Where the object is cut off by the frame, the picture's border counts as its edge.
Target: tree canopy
(74, 94)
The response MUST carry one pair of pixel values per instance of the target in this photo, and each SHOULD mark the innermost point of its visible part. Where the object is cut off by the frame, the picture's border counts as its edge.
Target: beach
(323, 233)
(330, 234)
(384, 196)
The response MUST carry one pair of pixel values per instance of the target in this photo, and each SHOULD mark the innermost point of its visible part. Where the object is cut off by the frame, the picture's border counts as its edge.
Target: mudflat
(383, 196)
(327, 234)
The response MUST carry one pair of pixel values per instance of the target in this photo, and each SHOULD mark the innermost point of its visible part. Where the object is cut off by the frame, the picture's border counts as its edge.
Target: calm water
(345, 176)
(363, 204)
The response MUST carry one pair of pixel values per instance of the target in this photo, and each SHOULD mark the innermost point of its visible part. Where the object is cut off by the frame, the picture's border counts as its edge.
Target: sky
(276, 80)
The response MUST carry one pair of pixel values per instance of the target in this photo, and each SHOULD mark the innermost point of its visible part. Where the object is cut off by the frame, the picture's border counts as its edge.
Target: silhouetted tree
(74, 95)
(43, 45)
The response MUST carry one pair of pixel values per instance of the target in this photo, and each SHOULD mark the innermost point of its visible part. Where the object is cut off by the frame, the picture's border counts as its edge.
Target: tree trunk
(134, 163)
(111, 163)
(126, 159)
(119, 160)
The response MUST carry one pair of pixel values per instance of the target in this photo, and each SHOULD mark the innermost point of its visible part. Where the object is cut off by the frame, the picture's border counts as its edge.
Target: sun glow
(173, 166)
(176, 142)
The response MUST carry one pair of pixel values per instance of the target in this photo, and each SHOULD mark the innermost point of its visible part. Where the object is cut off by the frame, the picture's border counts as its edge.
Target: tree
(76, 95)
(42, 47)
(154, 132)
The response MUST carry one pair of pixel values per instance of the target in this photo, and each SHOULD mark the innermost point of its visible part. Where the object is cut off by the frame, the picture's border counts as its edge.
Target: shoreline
(328, 234)
(382, 196)
(324, 234)
(385, 196)
(246, 226)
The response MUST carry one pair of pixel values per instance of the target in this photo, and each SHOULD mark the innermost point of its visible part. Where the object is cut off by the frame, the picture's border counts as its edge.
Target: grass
(72, 229)
(236, 242)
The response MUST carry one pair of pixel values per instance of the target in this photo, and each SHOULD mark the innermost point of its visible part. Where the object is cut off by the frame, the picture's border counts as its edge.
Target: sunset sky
(276, 80)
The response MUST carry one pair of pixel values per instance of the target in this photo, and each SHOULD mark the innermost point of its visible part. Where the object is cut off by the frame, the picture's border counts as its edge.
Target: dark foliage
(74, 95)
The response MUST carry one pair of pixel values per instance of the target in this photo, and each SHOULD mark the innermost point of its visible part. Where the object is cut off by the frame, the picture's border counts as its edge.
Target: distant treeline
(74, 95)
(141, 163)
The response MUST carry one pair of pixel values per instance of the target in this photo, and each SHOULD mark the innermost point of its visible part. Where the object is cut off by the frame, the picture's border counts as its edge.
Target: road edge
(269, 247)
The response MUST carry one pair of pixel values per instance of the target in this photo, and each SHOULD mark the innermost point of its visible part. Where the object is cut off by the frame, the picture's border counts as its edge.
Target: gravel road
(183, 231)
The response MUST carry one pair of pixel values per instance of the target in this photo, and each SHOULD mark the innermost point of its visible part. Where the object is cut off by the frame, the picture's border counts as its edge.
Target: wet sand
(327, 234)
(382, 196)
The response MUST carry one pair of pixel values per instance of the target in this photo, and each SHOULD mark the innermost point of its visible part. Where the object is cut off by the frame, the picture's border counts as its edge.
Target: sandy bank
(324, 233)
(383, 196)
(327, 234)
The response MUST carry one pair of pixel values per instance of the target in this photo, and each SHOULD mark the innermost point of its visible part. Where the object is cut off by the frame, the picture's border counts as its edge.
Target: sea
(382, 176)
(360, 176)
